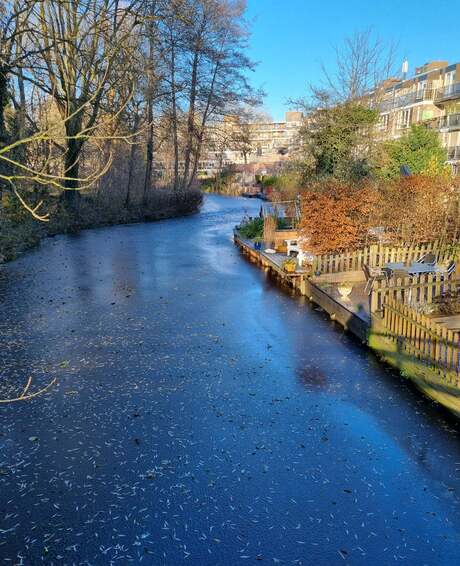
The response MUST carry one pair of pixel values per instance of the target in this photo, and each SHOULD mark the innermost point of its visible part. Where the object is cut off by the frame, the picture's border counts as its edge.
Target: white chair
(302, 255)
(292, 246)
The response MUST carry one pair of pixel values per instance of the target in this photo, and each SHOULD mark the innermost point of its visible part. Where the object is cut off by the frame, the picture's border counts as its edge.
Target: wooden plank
(413, 334)
(450, 349)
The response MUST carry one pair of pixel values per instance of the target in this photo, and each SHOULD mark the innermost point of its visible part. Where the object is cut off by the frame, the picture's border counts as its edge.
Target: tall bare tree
(207, 75)
(80, 44)
(78, 76)
(362, 62)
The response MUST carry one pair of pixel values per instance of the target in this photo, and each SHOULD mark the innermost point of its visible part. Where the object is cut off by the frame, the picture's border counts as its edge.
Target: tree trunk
(22, 106)
(196, 162)
(190, 120)
(4, 97)
(149, 154)
(150, 96)
(72, 170)
(3, 103)
(132, 162)
(174, 115)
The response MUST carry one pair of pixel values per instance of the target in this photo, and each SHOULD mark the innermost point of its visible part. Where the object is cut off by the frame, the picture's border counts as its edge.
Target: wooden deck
(273, 260)
(278, 259)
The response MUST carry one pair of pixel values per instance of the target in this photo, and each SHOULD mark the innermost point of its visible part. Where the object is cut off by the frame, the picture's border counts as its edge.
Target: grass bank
(20, 232)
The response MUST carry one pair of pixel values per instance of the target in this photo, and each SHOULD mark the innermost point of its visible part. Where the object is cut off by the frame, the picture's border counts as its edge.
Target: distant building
(431, 96)
(236, 143)
(271, 142)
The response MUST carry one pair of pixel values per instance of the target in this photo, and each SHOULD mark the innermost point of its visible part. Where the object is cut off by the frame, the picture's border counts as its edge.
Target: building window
(449, 78)
(384, 121)
(405, 118)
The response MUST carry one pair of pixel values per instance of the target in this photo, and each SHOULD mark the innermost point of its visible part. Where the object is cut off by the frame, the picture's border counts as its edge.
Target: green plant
(337, 140)
(284, 223)
(420, 149)
(252, 229)
(269, 181)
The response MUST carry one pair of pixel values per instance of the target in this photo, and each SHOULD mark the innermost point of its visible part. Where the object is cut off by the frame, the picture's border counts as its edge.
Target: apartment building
(266, 143)
(431, 96)
(270, 142)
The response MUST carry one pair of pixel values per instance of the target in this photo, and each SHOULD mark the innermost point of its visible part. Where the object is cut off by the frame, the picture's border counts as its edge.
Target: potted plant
(290, 265)
(345, 288)
(258, 243)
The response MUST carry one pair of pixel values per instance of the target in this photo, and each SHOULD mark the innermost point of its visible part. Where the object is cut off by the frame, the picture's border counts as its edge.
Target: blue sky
(291, 38)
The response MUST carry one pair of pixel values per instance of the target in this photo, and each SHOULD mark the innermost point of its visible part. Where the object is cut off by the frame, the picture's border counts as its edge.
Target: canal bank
(367, 326)
(20, 232)
(202, 416)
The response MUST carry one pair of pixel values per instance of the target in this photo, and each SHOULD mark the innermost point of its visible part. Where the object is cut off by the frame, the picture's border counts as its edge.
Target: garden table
(414, 269)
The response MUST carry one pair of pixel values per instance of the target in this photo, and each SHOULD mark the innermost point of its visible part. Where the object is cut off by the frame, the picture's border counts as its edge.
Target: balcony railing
(451, 122)
(453, 153)
(385, 105)
(407, 99)
(448, 92)
(414, 97)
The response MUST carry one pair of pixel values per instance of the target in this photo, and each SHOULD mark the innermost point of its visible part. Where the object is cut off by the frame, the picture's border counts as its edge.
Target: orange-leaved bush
(336, 216)
(418, 209)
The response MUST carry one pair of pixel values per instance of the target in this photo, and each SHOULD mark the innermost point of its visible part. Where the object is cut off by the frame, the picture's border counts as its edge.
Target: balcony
(407, 99)
(449, 92)
(453, 153)
(414, 97)
(449, 122)
(386, 105)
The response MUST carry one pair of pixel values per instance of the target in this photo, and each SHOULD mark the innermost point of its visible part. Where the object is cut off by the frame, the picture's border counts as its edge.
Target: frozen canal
(201, 415)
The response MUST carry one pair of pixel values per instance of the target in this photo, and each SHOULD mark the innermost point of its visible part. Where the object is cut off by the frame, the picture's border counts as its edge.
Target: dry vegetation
(338, 216)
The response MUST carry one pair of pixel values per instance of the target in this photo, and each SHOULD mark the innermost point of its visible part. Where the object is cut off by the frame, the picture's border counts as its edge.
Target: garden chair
(429, 258)
(292, 246)
(451, 267)
(373, 274)
(447, 268)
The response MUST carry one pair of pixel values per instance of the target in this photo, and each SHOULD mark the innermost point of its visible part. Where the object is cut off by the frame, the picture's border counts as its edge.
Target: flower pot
(345, 291)
(290, 267)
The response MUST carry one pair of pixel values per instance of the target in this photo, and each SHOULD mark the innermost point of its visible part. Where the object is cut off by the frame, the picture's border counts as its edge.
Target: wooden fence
(422, 338)
(423, 290)
(377, 256)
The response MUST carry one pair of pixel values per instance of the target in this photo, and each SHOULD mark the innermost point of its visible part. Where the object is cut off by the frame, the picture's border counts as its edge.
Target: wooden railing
(420, 337)
(377, 256)
(420, 291)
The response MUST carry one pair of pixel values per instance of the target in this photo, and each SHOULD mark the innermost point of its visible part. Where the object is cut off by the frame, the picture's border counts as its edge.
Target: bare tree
(152, 13)
(82, 76)
(339, 137)
(206, 75)
(80, 45)
(49, 172)
(15, 17)
(220, 82)
(362, 62)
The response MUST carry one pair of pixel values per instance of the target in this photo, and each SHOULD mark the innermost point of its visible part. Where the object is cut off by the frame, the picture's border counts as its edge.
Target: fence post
(373, 255)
